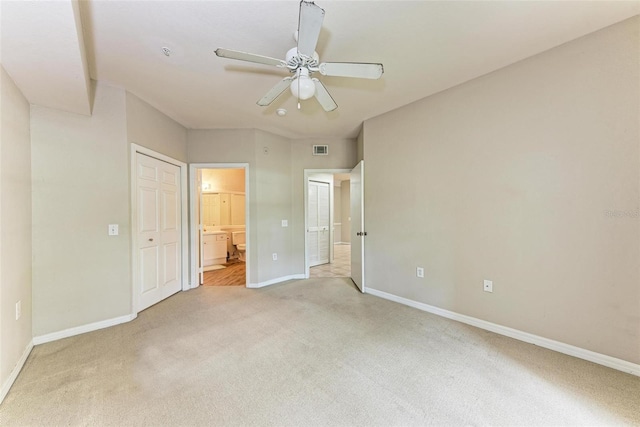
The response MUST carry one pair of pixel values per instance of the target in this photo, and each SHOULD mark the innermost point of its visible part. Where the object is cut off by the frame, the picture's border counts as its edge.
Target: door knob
(151, 240)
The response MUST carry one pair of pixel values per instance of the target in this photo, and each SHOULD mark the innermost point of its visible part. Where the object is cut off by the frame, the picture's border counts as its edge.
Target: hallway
(340, 267)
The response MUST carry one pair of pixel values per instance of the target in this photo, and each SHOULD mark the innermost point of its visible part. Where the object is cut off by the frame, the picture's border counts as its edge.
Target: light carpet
(308, 353)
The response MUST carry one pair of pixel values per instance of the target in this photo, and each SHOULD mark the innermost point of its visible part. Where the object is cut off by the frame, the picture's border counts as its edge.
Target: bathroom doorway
(334, 233)
(219, 225)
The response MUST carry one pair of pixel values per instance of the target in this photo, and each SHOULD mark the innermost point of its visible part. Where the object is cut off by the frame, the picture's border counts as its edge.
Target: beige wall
(80, 185)
(152, 129)
(224, 180)
(273, 204)
(15, 225)
(337, 202)
(528, 176)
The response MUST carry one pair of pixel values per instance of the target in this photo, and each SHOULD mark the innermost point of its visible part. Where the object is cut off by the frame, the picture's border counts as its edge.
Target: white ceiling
(425, 46)
(43, 50)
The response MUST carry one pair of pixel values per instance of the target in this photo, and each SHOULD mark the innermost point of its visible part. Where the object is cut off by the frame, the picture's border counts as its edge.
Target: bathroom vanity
(214, 248)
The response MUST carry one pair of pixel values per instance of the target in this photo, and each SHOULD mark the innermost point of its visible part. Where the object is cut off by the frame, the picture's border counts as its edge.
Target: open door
(357, 226)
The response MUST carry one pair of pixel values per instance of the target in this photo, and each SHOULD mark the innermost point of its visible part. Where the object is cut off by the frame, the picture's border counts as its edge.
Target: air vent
(320, 150)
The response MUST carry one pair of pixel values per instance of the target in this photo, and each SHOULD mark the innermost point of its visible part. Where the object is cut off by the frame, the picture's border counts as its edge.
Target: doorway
(336, 231)
(219, 224)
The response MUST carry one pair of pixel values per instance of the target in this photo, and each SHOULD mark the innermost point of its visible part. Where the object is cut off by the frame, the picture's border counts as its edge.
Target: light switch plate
(285, 223)
(113, 229)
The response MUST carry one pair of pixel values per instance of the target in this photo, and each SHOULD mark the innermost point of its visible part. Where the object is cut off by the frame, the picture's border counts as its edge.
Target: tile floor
(340, 267)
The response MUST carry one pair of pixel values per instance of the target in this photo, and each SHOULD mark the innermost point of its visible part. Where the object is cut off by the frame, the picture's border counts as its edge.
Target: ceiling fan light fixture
(303, 87)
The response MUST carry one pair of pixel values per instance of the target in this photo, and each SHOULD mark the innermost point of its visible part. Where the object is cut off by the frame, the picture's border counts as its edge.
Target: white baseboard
(274, 281)
(54, 336)
(16, 370)
(581, 353)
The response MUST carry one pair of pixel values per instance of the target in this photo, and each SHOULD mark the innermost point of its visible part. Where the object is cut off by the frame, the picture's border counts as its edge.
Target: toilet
(238, 240)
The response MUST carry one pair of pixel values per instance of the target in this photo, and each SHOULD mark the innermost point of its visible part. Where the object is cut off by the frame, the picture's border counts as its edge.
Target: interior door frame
(307, 178)
(200, 229)
(194, 280)
(184, 214)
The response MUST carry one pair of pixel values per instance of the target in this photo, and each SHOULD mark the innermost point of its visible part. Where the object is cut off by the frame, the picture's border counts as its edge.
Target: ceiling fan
(302, 61)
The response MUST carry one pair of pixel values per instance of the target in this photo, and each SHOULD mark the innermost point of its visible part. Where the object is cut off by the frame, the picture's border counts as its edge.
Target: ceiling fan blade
(323, 97)
(309, 25)
(352, 69)
(275, 92)
(249, 57)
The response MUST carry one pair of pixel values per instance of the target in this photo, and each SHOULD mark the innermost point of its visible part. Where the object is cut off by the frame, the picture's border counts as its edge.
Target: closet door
(159, 246)
(318, 223)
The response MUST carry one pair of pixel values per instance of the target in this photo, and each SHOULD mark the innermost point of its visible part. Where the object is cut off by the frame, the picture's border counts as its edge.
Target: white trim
(66, 333)
(193, 196)
(277, 280)
(16, 370)
(581, 353)
(184, 203)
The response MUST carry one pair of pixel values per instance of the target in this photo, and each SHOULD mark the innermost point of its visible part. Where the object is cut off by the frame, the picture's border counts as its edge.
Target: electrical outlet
(113, 229)
(18, 309)
(274, 256)
(285, 223)
(420, 272)
(488, 286)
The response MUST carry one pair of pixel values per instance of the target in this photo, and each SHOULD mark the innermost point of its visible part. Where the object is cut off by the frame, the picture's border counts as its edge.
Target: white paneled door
(357, 226)
(318, 223)
(158, 269)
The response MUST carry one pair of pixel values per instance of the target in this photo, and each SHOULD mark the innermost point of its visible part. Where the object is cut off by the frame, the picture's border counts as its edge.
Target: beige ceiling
(425, 46)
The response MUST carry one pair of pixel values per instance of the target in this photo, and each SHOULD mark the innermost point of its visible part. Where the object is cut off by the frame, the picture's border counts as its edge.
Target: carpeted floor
(308, 353)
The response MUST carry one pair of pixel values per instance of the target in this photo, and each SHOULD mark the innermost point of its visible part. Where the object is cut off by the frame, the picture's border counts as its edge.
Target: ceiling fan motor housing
(295, 60)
